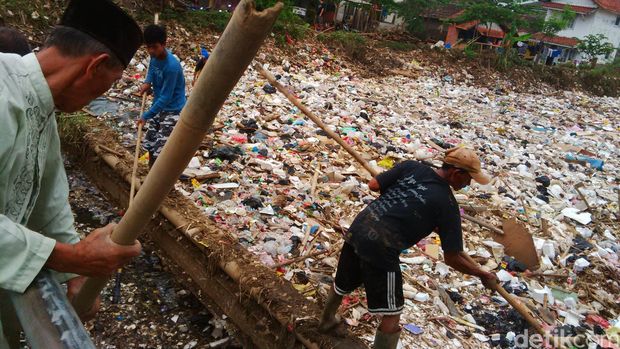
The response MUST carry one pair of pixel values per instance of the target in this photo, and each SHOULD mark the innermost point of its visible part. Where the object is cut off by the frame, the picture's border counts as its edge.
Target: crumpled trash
(513, 265)
(413, 329)
(269, 89)
(581, 217)
(580, 264)
(230, 153)
(289, 177)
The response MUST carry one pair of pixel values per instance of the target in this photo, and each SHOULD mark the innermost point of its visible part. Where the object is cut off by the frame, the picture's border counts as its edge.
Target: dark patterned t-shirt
(414, 201)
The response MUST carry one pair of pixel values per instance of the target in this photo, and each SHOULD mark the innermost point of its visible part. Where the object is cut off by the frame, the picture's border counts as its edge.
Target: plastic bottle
(594, 163)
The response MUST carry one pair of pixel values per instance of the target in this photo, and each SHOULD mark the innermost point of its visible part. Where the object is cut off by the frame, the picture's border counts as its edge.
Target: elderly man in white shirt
(80, 60)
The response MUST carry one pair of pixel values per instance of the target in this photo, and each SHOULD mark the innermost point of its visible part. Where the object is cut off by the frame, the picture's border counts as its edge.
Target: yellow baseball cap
(466, 159)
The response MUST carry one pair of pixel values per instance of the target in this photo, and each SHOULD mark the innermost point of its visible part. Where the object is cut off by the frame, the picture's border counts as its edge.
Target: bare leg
(388, 332)
(390, 324)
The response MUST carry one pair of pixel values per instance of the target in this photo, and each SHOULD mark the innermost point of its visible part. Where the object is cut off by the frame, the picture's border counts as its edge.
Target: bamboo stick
(300, 258)
(373, 172)
(136, 154)
(272, 80)
(111, 151)
(522, 310)
(483, 223)
(235, 50)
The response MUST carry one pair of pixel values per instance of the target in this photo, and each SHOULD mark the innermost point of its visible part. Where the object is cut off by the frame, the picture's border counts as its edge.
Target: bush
(604, 80)
(470, 52)
(293, 26)
(71, 127)
(353, 44)
(287, 22)
(397, 45)
(197, 20)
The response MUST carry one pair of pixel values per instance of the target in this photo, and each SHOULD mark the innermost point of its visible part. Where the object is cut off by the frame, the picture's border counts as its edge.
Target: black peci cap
(107, 23)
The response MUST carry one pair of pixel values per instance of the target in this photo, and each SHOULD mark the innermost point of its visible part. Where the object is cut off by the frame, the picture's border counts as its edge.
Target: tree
(558, 21)
(506, 14)
(510, 15)
(514, 16)
(594, 45)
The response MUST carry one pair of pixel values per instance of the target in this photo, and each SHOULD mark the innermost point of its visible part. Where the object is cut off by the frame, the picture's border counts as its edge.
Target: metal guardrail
(47, 317)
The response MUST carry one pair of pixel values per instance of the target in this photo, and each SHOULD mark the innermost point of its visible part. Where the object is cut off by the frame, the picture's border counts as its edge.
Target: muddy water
(150, 309)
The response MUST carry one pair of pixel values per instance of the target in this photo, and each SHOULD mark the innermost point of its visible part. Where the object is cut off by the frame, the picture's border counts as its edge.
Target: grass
(197, 20)
(72, 127)
(353, 44)
(287, 23)
(24, 9)
(18, 5)
(603, 80)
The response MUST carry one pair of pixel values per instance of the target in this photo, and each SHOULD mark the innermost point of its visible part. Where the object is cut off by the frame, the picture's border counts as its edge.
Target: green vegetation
(512, 16)
(558, 21)
(397, 45)
(602, 80)
(470, 52)
(594, 45)
(23, 10)
(72, 127)
(198, 20)
(18, 5)
(353, 44)
(287, 22)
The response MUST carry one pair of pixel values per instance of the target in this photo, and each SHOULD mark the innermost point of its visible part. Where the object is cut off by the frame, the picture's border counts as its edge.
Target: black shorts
(384, 286)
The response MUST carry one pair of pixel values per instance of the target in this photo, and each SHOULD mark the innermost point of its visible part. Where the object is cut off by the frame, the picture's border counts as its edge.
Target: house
(593, 17)
(363, 15)
(434, 26)
(437, 27)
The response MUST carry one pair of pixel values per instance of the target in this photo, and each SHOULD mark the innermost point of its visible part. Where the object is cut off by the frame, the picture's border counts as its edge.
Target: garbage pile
(142, 306)
(274, 180)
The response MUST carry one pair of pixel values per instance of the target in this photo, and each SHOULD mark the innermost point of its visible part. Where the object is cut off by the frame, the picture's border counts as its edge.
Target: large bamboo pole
(232, 269)
(238, 45)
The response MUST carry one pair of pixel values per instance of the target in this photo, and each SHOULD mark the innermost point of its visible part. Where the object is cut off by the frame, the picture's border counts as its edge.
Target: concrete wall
(599, 22)
(587, 3)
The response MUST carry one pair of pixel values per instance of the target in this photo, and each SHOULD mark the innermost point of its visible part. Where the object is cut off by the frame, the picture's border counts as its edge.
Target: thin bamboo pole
(235, 50)
(272, 80)
(136, 154)
(373, 172)
(523, 311)
(511, 300)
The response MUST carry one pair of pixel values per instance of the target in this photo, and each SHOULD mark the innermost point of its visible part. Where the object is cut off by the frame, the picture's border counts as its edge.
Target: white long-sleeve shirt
(34, 206)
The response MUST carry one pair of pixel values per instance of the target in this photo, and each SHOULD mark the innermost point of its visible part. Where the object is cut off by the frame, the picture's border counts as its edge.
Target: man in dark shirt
(415, 200)
(319, 14)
